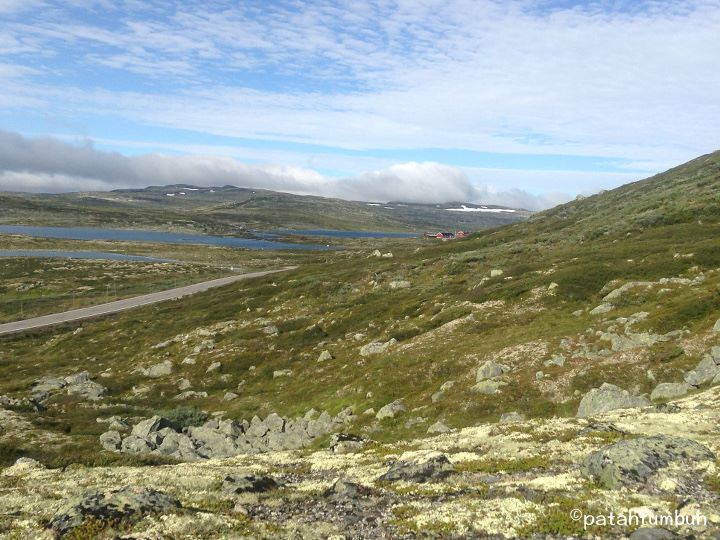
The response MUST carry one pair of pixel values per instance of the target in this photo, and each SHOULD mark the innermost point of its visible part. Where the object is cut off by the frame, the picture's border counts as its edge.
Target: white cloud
(51, 165)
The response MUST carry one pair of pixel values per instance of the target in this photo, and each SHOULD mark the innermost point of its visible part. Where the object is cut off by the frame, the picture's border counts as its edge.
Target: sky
(524, 103)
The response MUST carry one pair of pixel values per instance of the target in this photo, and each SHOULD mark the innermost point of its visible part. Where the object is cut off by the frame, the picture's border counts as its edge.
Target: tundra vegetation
(570, 361)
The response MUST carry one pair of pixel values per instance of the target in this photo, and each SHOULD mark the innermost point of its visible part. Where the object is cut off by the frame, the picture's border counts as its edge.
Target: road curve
(128, 303)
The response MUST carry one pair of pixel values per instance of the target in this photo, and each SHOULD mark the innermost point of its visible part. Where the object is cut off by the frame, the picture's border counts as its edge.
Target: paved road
(128, 303)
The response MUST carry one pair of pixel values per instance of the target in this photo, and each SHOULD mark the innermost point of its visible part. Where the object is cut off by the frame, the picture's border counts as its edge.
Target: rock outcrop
(225, 438)
(608, 398)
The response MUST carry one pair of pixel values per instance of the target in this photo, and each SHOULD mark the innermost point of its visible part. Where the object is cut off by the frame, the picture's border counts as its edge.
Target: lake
(80, 255)
(126, 235)
(345, 234)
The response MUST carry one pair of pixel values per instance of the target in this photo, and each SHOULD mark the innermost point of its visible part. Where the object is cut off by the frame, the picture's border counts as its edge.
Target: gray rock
(77, 378)
(248, 483)
(608, 398)
(257, 428)
(376, 347)
(111, 440)
(509, 417)
(432, 466)
(155, 423)
(275, 422)
(43, 387)
(716, 327)
(490, 370)
(715, 354)
(669, 391)
(229, 396)
(190, 394)
(557, 360)
(632, 462)
(159, 370)
(489, 386)
(652, 533)
(89, 390)
(704, 372)
(271, 330)
(401, 284)
(345, 443)
(282, 373)
(601, 309)
(133, 444)
(438, 427)
(111, 505)
(213, 367)
(184, 384)
(211, 443)
(178, 445)
(324, 356)
(390, 410)
(321, 426)
(344, 489)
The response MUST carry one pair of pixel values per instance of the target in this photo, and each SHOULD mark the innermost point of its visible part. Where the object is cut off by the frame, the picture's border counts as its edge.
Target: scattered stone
(387, 255)
(490, 370)
(539, 376)
(282, 373)
(608, 398)
(602, 308)
(77, 378)
(190, 394)
(557, 360)
(376, 347)
(248, 483)
(184, 384)
(489, 387)
(345, 489)
(271, 330)
(89, 390)
(111, 440)
(716, 327)
(345, 443)
(419, 468)
(438, 427)
(156, 423)
(601, 427)
(632, 462)
(325, 356)
(376, 253)
(159, 370)
(652, 533)
(496, 272)
(669, 391)
(402, 284)
(510, 417)
(390, 410)
(229, 396)
(111, 505)
(213, 367)
(444, 387)
(704, 372)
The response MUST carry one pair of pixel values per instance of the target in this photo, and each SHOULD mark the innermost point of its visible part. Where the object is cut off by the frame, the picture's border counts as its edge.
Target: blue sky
(508, 102)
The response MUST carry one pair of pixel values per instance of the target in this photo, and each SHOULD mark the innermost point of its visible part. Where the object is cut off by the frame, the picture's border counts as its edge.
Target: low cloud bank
(51, 165)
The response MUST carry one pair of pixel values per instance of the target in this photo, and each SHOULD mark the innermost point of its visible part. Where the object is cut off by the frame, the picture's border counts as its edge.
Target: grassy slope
(642, 231)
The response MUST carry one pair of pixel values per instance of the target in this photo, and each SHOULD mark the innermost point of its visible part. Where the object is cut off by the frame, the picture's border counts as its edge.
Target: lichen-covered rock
(159, 370)
(390, 410)
(489, 386)
(608, 398)
(343, 489)
(146, 427)
(669, 391)
(90, 390)
(376, 347)
(704, 372)
(490, 370)
(248, 483)
(419, 468)
(117, 504)
(509, 417)
(632, 462)
(111, 440)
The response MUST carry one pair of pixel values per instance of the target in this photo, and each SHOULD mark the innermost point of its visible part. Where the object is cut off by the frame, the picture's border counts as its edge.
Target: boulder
(438, 427)
(133, 444)
(390, 410)
(213, 367)
(652, 533)
(159, 370)
(716, 327)
(89, 390)
(489, 387)
(496, 272)
(275, 422)
(601, 309)
(715, 354)
(632, 462)
(211, 443)
(282, 373)
(146, 427)
(343, 489)
(229, 396)
(490, 370)
(271, 330)
(401, 284)
(669, 391)
(111, 505)
(509, 417)
(111, 440)
(77, 378)
(248, 483)
(344, 443)
(557, 360)
(419, 468)
(324, 356)
(704, 372)
(608, 398)
(376, 347)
